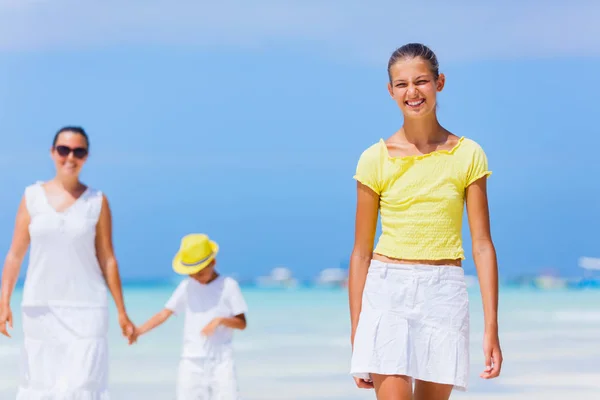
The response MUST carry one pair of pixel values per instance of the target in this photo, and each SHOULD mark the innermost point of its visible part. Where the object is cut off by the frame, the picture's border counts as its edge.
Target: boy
(213, 307)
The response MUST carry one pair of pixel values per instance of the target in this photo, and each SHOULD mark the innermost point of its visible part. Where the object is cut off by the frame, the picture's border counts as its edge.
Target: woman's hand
(5, 317)
(492, 354)
(127, 328)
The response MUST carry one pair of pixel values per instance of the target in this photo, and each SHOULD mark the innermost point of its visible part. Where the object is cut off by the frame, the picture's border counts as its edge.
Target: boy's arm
(237, 322)
(237, 307)
(176, 304)
(154, 321)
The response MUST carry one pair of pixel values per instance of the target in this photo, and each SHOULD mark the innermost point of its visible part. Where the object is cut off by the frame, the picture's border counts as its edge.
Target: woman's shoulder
(34, 186)
(94, 192)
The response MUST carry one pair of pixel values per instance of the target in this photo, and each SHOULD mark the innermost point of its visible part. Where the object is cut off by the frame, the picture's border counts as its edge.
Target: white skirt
(414, 321)
(64, 354)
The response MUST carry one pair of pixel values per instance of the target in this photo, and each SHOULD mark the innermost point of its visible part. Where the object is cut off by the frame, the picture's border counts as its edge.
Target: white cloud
(366, 30)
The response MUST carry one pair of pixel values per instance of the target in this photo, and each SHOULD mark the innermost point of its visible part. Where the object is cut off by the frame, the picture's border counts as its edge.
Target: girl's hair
(75, 129)
(414, 50)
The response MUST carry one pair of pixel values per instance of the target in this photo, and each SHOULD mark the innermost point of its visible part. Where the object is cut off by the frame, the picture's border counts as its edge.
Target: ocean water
(297, 346)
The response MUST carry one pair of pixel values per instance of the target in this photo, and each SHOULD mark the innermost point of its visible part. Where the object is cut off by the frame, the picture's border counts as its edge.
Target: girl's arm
(484, 255)
(155, 321)
(109, 266)
(12, 264)
(367, 207)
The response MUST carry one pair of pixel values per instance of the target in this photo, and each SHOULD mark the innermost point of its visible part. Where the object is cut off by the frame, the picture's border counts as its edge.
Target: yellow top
(421, 198)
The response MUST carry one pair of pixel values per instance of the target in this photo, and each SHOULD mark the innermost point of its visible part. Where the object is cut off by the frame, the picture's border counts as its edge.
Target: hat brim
(183, 269)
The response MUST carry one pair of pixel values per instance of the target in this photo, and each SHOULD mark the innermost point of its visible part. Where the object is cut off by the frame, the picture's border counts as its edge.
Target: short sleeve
(178, 299)
(368, 169)
(235, 299)
(478, 167)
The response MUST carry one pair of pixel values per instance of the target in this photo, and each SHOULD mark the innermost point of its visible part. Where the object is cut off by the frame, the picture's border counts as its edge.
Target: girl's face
(69, 154)
(414, 87)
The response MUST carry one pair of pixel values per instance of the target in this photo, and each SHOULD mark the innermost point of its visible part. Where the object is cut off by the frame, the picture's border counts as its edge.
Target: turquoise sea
(297, 347)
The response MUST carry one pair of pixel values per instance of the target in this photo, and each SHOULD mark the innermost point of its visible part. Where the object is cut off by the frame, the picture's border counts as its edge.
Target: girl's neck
(423, 131)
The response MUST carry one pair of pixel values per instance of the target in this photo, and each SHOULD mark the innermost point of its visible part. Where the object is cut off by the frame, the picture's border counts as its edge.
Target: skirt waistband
(436, 272)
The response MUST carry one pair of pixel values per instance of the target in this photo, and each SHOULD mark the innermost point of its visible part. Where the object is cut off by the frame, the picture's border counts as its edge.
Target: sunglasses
(78, 152)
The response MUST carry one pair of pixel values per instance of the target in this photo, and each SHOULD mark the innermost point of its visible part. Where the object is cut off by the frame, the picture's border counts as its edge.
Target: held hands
(128, 330)
(210, 328)
(5, 317)
(493, 355)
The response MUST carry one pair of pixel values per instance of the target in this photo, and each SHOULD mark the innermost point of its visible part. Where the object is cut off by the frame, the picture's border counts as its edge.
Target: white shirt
(63, 268)
(201, 303)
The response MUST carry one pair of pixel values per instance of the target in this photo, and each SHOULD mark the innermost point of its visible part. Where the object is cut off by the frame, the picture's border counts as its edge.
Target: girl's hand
(492, 354)
(5, 317)
(363, 383)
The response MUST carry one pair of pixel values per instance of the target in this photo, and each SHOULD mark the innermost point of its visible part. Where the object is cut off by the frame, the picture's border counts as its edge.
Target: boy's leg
(193, 380)
(224, 379)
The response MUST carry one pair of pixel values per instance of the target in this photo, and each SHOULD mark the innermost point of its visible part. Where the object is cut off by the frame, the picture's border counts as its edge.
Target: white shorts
(414, 321)
(207, 378)
(64, 354)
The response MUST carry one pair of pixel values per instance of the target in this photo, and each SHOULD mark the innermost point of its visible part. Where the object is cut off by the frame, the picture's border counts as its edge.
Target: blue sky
(246, 122)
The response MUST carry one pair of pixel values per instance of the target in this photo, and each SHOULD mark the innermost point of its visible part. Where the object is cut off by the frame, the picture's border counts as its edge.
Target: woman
(408, 297)
(65, 305)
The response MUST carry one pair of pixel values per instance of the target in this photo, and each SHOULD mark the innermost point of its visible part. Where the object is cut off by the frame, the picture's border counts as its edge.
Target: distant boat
(590, 278)
(471, 280)
(549, 282)
(280, 277)
(333, 277)
(549, 279)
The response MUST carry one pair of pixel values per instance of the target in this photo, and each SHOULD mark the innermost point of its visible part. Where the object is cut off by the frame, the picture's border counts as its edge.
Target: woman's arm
(16, 253)
(12, 264)
(109, 266)
(484, 255)
(367, 206)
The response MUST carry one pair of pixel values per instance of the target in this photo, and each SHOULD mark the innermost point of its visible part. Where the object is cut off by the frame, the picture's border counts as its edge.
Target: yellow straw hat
(195, 253)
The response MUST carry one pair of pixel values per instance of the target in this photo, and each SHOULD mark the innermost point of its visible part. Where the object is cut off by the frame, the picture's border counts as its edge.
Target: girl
(408, 297)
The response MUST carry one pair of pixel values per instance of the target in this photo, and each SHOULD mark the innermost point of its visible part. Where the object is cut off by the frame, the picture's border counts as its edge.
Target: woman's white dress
(65, 303)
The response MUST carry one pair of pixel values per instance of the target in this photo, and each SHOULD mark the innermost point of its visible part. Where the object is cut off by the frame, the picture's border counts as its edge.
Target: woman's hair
(414, 50)
(74, 129)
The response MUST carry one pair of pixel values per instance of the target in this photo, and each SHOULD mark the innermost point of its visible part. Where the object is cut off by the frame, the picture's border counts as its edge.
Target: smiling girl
(408, 297)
